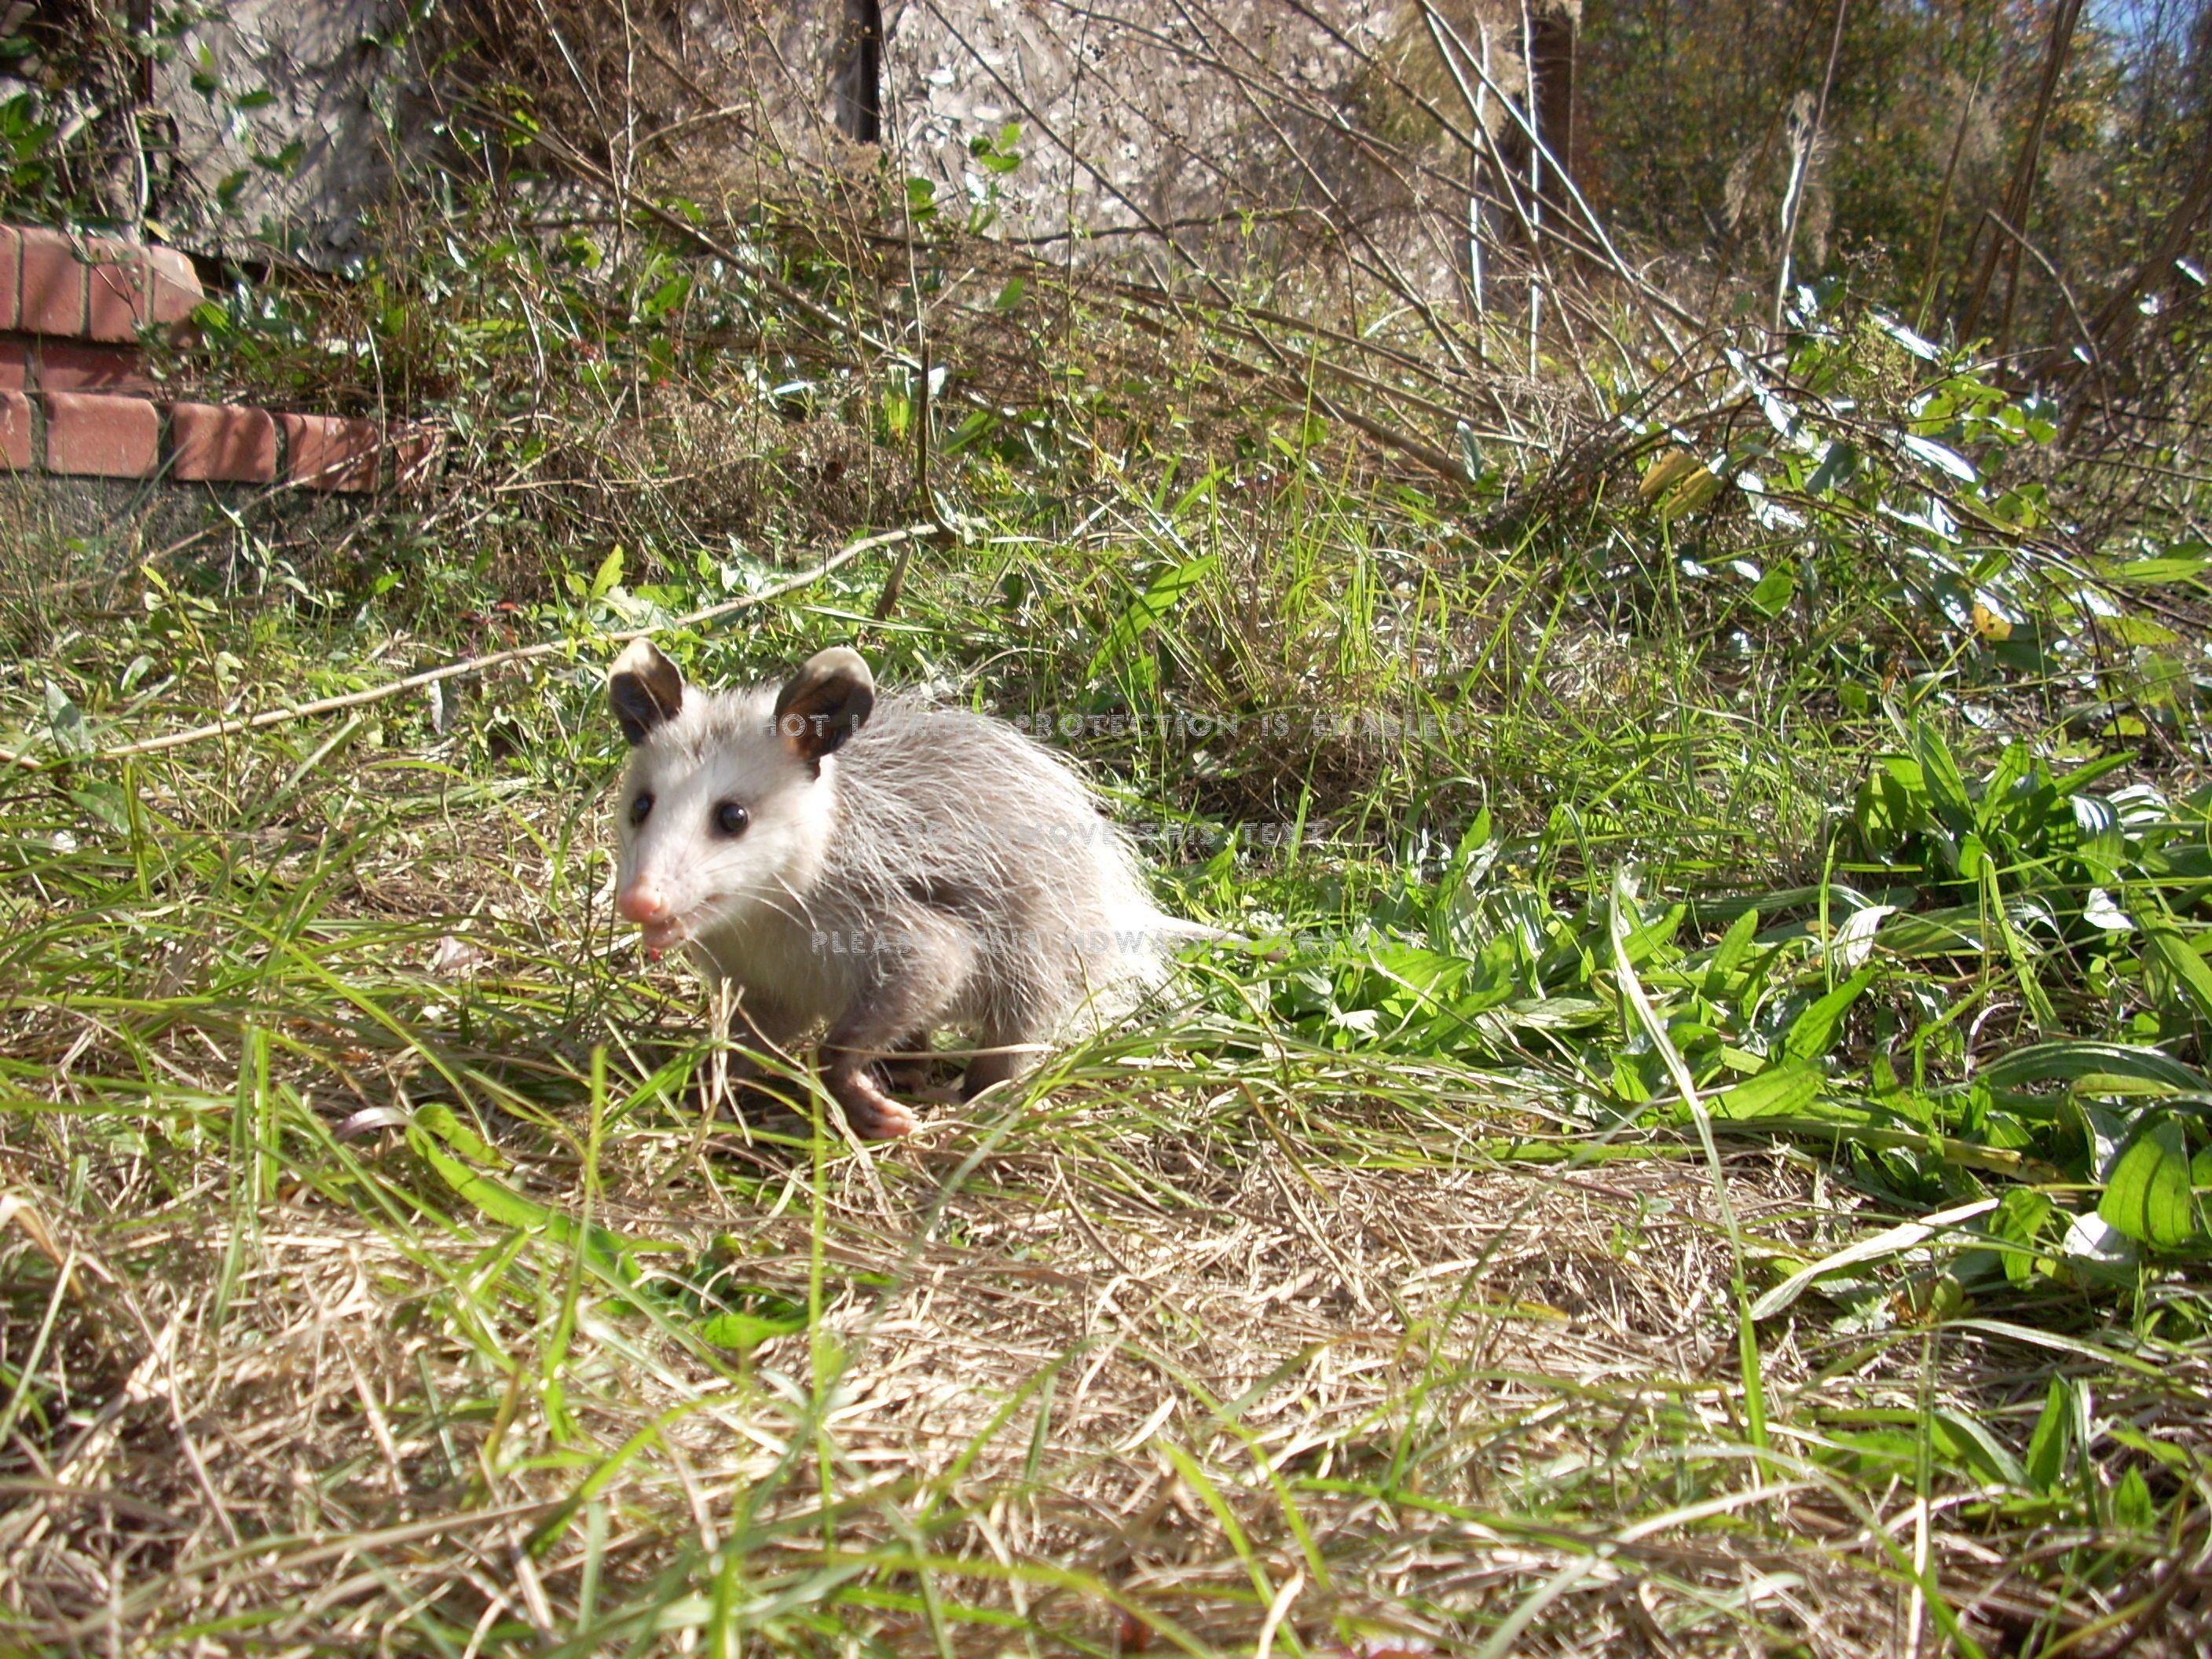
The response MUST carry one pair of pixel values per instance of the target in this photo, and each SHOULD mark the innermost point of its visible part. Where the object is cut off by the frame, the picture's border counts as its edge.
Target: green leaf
(442, 1121)
(609, 573)
(610, 1252)
(1907, 1236)
(1477, 464)
(105, 802)
(2132, 1508)
(2023, 1219)
(743, 1332)
(1813, 1033)
(1785, 1091)
(2070, 1061)
(2152, 573)
(2147, 1197)
(2046, 1446)
(66, 722)
(1965, 1443)
(1927, 352)
(1166, 592)
(1840, 462)
(1771, 598)
(1956, 931)
(1729, 954)
(2189, 974)
(1940, 777)
(1942, 459)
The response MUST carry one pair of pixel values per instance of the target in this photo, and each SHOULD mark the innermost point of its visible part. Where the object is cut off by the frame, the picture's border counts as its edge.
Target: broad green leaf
(2022, 1218)
(1940, 775)
(2147, 1197)
(609, 573)
(2136, 630)
(1785, 1090)
(2151, 573)
(2132, 1508)
(1904, 337)
(743, 1332)
(1730, 952)
(1813, 1033)
(1840, 462)
(1943, 459)
(2071, 1062)
(1907, 1236)
(66, 722)
(1965, 1443)
(1771, 597)
(2189, 974)
(1477, 464)
(2046, 1446)
(1959, 931)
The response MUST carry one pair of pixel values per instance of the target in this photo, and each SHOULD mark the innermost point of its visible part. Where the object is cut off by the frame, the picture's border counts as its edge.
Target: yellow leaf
(1674, 465)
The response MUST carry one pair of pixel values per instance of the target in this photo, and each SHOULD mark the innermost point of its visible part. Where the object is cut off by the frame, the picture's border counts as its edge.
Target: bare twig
(475, 665)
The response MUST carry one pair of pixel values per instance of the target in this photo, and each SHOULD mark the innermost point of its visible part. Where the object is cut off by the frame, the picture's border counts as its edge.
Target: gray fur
(936, 869)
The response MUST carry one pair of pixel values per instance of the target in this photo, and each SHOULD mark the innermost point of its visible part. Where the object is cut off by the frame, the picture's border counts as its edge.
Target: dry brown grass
(1315, 1369)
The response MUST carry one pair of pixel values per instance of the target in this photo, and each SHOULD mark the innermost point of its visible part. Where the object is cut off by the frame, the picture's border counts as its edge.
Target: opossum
(877, 865)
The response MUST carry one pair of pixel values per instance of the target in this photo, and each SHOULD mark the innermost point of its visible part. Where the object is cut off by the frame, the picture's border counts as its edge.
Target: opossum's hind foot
(911, 1069)
(1003, 1054)
(873, 1115)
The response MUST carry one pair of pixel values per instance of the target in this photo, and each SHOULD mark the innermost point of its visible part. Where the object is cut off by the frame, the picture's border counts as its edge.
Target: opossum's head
(729, 803)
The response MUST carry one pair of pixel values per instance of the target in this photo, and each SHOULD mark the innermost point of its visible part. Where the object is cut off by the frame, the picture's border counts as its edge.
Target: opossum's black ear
(826, 701)
(645, 688)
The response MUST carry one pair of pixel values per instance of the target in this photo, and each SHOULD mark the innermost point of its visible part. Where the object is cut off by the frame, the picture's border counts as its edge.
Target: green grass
(382, 1270)
(1705, 1149)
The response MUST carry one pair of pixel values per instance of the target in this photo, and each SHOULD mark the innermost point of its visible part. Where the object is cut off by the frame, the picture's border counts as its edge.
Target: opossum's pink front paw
(893, 1122)
(873, 1115)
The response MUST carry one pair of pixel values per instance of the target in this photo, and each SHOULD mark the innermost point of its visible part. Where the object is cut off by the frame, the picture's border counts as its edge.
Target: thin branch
(226, 728)
(1801, 176)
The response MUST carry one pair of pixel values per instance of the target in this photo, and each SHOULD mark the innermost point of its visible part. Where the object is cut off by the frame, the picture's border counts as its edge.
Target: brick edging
(76, 400)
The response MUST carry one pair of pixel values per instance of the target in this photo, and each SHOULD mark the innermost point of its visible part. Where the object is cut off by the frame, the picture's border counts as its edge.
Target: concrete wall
(332, 86)
(1133, 112)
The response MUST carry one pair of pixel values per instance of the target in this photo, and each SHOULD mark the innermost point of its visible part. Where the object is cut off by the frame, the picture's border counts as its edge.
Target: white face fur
(725, 814)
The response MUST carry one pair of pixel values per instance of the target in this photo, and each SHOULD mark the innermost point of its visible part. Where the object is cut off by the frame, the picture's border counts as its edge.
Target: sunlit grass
(385, 1268)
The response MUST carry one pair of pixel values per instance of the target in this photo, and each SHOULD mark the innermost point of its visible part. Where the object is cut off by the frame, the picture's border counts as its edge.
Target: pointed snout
(643, 903)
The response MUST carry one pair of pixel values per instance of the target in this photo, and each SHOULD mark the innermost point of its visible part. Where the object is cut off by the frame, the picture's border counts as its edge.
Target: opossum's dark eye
(640, 807)
(731, 819)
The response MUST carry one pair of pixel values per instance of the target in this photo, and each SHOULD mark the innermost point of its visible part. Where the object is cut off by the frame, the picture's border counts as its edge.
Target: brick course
(53, 285)
(76, 395)
(172, 288)
(116, 280)
(221, 443)
(11, 275)
(92, 437)
(329, 452)
(14, 431)
(64, 366)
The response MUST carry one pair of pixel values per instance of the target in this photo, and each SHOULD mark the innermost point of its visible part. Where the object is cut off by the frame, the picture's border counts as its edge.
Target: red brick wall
(77, 398)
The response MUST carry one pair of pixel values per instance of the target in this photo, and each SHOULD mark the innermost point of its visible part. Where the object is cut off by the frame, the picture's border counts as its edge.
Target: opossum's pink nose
(642, 902)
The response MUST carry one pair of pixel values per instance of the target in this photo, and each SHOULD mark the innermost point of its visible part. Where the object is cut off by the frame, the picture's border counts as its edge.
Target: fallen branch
(225, 728)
